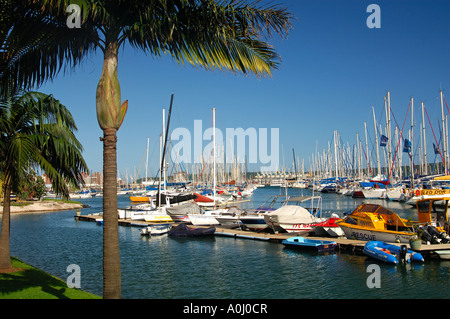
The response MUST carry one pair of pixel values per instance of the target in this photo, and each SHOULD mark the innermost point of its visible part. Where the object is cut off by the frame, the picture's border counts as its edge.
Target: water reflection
(216, 267)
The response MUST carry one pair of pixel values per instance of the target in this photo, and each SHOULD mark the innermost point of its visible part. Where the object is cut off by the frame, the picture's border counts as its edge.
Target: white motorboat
(374, 193)
(296, 218)
(180, 212)
(394, 193)
(154, 216)
(156, 230)
(254, 220)
(228, 216)
(203, 219)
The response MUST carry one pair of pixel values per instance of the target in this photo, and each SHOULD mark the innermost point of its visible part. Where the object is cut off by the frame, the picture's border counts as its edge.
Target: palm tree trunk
(111, 253)
(5, 255)
(110, 115)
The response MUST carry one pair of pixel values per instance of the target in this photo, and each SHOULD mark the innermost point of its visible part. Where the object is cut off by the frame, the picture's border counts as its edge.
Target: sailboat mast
(388, 119)
(376, 142)
(214, 154)
(163, 164)
(367, 150)
(412, 128)
(443, 134)
(160, 166)
(295, 166)
(425, 171)
(146, 164)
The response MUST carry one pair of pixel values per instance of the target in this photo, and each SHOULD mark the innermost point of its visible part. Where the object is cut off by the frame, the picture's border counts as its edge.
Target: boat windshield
(389, 217)
(423, 206)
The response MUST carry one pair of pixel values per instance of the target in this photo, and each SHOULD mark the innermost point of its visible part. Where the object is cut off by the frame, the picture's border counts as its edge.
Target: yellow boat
(375, 222)
(140, 198)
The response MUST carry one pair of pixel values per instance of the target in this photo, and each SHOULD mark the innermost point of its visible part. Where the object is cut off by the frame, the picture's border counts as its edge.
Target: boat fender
(403, 251)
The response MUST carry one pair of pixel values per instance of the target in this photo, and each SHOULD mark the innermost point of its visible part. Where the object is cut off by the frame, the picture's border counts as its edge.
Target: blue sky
(334, 68)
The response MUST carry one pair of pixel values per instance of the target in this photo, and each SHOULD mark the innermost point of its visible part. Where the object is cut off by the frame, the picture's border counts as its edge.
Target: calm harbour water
(218, 267)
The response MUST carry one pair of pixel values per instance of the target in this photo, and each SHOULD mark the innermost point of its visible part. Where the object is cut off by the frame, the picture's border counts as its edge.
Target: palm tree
(221, 34)
(36, 131)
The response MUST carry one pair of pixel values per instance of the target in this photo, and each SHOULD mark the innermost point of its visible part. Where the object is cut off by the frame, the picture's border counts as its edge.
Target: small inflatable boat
(391, 253)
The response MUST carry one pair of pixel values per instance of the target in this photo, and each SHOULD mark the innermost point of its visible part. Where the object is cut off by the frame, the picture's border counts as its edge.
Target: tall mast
(146, 164)
(160, 166)
(425, 171)
(295, 165)
(163, 164)
(214, 154)
(444, 143)
(376, 142)
(367, 150)
(388, 119)
(335, 154)
(412, 128)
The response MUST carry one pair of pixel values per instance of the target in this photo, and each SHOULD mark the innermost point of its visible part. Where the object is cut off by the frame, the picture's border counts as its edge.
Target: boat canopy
(186, 208)
(292, 214)
(387, 216)
(373, 184)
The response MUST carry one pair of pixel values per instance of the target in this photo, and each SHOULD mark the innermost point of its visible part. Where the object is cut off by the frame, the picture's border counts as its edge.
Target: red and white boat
(328, 228)
(296, 218)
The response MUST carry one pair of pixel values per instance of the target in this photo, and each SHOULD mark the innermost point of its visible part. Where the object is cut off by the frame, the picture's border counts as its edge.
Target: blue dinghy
(306, 243)
(391, 253)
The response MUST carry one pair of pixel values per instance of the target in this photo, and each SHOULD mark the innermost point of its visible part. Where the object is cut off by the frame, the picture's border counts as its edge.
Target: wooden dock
(344, 244)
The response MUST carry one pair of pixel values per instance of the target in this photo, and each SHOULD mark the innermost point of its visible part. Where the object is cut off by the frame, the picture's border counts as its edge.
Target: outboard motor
(426, 236)
(403, 252)
(433, 236)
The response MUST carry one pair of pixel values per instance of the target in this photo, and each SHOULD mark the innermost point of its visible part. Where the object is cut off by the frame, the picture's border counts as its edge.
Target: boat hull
(328, 228)
(150, 218)
(140, 199)
(310, 244)
(183, 230)
(359, 233)
(202, 219)
(294, 228)
(254, 222)
(156, 230)
(374, 193)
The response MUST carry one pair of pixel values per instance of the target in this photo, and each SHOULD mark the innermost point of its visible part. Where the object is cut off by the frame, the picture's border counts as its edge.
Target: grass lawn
(31, 283)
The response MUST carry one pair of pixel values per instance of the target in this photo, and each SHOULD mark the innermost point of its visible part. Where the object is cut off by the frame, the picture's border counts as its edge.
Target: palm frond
(225, 35)
(37, 130)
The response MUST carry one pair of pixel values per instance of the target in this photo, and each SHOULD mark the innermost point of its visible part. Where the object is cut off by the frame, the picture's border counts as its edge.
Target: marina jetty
(343, 244)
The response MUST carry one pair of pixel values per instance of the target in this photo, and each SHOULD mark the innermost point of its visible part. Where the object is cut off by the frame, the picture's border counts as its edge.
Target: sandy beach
(43, 206)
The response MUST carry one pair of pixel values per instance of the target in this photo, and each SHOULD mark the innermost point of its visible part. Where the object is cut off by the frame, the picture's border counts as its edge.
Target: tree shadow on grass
(29, 281)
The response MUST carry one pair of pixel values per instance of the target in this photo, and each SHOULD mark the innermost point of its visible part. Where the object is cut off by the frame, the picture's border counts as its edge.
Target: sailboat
(207, 218)
(254, 220)
(153, 213)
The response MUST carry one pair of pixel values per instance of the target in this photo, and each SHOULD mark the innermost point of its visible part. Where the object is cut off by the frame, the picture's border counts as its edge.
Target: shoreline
(43, 207)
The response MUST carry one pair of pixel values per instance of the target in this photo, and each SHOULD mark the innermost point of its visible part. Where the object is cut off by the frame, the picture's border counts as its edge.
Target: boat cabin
(434, 211)
(376, 217)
